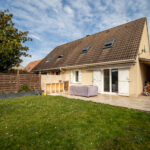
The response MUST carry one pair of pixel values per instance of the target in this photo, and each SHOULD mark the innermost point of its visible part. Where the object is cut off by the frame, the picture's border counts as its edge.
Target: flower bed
(20, 94)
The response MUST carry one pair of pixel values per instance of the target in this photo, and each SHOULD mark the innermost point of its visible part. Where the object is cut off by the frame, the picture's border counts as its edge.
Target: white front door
(124, 82)
(97, 80)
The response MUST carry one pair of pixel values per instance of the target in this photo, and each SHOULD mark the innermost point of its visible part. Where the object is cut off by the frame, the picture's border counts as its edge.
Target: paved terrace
(140, 103)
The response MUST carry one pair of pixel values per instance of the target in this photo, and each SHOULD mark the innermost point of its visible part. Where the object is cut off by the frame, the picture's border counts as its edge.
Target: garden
(54, 122)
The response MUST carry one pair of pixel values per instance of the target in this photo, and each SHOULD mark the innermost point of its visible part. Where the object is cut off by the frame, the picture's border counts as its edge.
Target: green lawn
(49, 122)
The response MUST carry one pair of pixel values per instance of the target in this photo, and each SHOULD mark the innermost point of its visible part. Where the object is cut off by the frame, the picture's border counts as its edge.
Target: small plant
(24, 88)
(2, 92)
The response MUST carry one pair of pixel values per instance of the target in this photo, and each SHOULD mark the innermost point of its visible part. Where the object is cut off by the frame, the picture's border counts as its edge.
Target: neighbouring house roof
(31, 65)
(115, 44)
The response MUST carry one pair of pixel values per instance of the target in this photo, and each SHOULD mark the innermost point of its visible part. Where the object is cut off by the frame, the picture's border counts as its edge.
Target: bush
(24, 88)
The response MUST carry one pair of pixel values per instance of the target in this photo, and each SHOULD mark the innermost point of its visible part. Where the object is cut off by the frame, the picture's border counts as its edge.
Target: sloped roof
(126, 44)
(31, 65)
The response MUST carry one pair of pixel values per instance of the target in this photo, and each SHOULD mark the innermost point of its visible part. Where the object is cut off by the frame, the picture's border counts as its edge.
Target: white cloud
(115, 12)
(35, 37)
(69, 11)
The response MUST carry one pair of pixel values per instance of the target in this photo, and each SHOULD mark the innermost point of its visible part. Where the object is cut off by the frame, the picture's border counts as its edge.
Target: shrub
(24, 88)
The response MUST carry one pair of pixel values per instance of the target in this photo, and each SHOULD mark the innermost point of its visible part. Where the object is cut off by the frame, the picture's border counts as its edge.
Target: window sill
(76, 82)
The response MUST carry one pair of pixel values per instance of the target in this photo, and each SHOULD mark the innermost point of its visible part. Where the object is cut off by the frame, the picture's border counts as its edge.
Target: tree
(11, 42)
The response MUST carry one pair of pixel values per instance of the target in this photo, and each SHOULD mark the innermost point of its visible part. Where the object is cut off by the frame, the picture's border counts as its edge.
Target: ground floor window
(76, 76)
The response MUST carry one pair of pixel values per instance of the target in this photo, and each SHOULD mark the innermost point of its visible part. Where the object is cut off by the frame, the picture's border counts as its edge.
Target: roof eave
(100, 63)
(87, 65)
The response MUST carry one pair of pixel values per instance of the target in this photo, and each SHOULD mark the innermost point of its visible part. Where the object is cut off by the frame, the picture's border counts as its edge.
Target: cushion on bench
(84, 90)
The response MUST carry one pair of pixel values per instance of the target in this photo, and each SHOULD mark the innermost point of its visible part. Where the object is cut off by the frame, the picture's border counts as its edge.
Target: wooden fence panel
(13, 82)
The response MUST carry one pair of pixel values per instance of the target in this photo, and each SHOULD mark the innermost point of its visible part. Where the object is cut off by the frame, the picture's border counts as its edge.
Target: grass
(49, 122)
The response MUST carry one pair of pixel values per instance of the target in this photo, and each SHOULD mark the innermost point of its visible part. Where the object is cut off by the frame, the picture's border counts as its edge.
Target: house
(20, 67)
(31, 65)
(116, 60)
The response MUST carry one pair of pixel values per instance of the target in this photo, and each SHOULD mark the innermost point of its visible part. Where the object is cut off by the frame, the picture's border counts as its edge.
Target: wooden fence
(13, 82)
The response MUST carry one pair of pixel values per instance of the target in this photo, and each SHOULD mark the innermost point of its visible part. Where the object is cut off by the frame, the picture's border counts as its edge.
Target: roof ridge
(103, 31)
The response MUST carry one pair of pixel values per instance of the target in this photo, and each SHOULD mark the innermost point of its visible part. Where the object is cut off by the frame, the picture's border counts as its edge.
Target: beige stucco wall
(45, 79)
(138, 71)
(65, 76)
(144, 42)
(137, 79)
(86, 77)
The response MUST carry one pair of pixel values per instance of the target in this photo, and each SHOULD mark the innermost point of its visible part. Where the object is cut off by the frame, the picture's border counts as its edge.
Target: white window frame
(73, 72)
(75, 77)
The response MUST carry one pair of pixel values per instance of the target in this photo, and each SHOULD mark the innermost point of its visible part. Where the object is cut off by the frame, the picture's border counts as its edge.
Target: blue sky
(53, 22)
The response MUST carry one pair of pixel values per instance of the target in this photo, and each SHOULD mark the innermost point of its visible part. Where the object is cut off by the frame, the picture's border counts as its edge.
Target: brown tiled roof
(127, 39)
(31, 65)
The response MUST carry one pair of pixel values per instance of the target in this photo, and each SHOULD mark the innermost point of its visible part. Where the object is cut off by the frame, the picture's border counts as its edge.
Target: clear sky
(53, 22)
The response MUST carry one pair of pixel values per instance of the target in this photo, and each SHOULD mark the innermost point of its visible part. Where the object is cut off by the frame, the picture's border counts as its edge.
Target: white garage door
(124, 82)
(97, 80)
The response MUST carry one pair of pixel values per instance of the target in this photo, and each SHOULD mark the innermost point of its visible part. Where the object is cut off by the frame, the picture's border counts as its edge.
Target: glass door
(106, 80)
(114, 77)
(111, 80)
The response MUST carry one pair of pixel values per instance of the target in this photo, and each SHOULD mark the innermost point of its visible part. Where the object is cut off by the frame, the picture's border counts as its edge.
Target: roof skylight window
(85, 49)
(49, 58)
(108, 44)
(60, 56)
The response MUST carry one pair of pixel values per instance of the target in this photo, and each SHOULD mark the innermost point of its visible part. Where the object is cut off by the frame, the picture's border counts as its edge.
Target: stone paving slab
(139, 103)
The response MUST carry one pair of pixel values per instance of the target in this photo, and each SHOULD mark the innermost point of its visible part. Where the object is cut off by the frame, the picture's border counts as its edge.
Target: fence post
(18, 80)
(40, 79)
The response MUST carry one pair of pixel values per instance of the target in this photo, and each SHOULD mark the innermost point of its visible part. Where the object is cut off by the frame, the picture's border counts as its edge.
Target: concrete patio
(139, 103)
